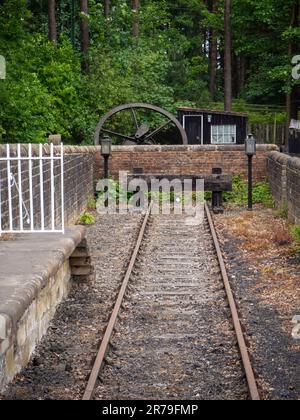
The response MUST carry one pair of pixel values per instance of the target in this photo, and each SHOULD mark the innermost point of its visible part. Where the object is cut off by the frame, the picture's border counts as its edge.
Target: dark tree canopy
(68, 62)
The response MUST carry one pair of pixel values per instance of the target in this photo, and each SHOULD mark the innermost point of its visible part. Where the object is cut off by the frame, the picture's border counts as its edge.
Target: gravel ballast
(63, 360)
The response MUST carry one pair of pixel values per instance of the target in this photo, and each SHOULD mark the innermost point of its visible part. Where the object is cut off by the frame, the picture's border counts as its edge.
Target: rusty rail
(252, 385)
(253, 389)
(90, 388)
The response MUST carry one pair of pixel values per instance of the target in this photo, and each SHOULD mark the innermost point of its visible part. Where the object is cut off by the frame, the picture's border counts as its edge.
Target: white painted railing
(31, 194)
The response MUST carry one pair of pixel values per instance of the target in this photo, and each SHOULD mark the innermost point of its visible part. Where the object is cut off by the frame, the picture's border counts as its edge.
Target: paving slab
(26, 264)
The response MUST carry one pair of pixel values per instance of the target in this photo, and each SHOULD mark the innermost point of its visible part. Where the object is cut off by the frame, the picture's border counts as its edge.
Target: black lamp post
(106, 144)
(250, 150)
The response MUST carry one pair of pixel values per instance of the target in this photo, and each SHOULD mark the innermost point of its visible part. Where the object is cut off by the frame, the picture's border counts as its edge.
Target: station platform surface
(26, 263)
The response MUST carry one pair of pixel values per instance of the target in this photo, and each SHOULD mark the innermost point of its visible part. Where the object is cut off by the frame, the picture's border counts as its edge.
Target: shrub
(239, 193)
(87, 219)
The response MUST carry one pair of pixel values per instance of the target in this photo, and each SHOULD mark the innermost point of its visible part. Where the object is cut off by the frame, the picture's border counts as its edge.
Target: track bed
(175, 339)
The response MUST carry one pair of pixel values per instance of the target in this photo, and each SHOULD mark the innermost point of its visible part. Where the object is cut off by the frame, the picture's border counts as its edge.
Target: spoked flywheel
(140, 124)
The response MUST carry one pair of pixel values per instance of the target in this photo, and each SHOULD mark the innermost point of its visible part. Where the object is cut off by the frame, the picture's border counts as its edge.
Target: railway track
(178, 335)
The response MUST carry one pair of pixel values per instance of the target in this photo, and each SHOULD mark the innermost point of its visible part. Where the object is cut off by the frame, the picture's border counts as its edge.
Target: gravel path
(175, 338)
(63, 360)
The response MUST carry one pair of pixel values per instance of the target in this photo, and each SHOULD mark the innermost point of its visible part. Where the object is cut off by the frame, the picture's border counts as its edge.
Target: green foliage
(295, 232)
(45, 91)
(262, 194)
(87, 219)
(239, 193)
(282, 212)
(91, 204)
(261, 32)
(116, 192)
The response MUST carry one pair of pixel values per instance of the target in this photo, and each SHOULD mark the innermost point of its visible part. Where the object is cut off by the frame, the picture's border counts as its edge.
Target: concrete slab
(26, 264)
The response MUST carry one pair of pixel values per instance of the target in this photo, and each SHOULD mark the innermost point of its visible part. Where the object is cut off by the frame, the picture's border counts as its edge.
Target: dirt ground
(264, 270)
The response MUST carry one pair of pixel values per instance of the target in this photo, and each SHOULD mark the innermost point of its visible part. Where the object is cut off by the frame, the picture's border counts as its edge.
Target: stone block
(5, 326)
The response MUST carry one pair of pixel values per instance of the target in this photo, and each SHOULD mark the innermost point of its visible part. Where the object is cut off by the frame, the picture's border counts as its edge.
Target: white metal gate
(32, 190)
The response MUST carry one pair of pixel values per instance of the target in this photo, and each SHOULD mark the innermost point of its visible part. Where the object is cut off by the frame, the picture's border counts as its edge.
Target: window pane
(224, 134)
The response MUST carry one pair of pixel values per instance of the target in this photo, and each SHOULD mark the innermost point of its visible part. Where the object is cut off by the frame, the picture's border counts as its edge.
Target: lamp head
(106, 144)
(250, 145)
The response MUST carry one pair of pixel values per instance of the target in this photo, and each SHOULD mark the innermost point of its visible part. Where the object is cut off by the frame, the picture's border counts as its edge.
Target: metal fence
(31, 190)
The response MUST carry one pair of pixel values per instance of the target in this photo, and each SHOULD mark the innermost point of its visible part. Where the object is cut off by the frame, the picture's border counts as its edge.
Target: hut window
(223, 134)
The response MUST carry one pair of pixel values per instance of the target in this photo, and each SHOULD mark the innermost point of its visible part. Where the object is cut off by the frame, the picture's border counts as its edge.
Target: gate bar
(9, 188)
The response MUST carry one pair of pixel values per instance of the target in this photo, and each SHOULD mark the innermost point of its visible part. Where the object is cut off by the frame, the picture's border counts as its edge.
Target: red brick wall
(84, 166)
(284, 179)
(277, 176)
(189, 160)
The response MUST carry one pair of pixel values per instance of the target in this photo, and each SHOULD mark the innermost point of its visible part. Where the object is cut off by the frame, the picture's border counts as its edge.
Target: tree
(227, 57)
(52, 21)
(213, 54)
(185, 55)
(106, 8)
(84, 30)
(136, 21)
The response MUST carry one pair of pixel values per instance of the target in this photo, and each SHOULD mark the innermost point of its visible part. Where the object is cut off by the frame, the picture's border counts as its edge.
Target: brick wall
(293, 189)
(189, 160)
(277, 174)
(284, 179)
(79, 184)
(84, 166)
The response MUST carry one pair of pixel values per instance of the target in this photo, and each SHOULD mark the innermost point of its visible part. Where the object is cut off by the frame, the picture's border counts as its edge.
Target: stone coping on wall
(286, 160)
(279, 157)
(134, 148)
(294, 163)
(193, 148)
(27, 262)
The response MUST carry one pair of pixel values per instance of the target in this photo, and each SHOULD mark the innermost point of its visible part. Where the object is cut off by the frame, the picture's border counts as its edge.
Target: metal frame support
(217, 195)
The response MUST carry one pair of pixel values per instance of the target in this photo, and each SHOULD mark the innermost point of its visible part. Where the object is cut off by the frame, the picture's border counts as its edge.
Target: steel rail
(90, 388)
(253, 389)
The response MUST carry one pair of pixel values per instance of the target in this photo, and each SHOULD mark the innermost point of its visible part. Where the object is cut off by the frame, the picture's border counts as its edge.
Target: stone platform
(35, 274)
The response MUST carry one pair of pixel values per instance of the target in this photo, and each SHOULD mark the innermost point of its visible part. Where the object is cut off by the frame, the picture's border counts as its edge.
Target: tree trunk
(292, 104)
(106, 8)
(227, 58)
(213, 56)
(241, 73)
(136, 23)
(84, 29)
(52, 21)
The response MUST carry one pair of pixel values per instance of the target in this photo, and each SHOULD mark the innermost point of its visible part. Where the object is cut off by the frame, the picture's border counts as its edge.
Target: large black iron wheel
(139, 130)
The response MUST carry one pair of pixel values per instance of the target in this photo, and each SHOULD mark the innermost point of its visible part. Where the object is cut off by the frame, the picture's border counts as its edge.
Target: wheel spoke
(158, 130)
(122, 136)
(135, 118)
